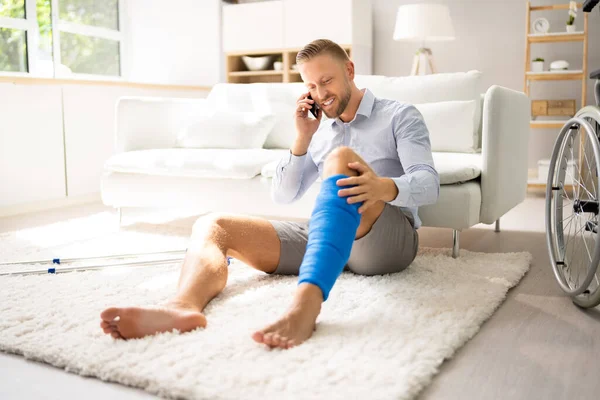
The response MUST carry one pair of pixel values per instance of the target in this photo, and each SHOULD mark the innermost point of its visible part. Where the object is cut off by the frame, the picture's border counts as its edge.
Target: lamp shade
(423, 22)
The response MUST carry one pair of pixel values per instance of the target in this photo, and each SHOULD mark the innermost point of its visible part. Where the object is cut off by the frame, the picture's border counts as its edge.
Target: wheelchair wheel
(572, 208)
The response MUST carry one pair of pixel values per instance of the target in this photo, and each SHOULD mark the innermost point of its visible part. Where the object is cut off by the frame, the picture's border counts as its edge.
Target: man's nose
(321, 95)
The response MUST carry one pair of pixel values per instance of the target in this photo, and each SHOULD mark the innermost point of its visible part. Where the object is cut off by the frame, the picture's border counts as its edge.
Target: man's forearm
(300, 147)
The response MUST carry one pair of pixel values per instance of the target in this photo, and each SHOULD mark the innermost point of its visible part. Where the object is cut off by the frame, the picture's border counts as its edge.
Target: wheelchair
(572, 205)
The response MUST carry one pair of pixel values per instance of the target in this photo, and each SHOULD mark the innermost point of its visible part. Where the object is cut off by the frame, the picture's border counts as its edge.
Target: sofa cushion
(452, 167)
(450, 125)
(225, 129)
(457, 167)
(200, 163)
(278, 99)
(429, 89)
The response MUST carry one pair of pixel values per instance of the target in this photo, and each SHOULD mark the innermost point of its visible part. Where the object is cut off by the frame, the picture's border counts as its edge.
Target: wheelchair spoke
(570, 261)
(581, 265)
(589, 168)
(581, 178)
(564, 192)
(587, 249)
(579, 259)
(569, 203)
(567, 164)
(580, 185)
(570, 218)
(569, 236)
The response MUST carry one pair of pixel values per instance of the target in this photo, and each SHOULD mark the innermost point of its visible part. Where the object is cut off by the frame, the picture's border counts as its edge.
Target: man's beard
(343, 101)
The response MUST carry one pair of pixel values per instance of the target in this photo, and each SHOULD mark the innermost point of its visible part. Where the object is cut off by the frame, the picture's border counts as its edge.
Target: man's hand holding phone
(305, 125)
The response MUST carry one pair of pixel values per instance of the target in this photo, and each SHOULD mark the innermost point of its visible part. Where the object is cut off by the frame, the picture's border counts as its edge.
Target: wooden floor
(537, 345)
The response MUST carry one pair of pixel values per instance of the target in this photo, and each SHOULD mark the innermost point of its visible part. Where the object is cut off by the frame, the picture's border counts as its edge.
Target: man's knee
(341, 154)
(337, 161)
(211, 226)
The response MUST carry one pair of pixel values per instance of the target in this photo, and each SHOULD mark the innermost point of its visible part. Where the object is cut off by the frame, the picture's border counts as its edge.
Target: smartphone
(315, 107)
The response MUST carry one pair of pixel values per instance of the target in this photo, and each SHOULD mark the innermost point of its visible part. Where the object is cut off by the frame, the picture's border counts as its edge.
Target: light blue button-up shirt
(390, 136)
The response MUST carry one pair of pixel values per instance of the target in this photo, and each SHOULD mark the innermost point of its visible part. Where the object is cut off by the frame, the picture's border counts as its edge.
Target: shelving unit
(570, 75)
(238, 73)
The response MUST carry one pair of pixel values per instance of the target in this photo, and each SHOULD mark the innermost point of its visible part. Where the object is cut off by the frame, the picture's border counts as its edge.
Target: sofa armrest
(152, 122)
(505, 141)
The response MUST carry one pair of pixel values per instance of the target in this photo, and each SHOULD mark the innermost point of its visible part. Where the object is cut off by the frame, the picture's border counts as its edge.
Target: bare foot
(137, 322)
(298, 324)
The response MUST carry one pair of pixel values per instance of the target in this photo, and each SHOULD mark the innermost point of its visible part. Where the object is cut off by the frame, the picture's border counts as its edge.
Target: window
(90, 39)
(61, 37)
(15, 30)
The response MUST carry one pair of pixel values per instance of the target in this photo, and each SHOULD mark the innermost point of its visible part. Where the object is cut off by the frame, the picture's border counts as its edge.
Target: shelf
(255, 73)
(553, 7)
(237, 71)
(556, 37)
(555, 75)
(547, 124)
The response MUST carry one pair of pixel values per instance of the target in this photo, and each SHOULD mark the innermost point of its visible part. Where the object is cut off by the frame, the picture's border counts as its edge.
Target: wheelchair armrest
(595, 74)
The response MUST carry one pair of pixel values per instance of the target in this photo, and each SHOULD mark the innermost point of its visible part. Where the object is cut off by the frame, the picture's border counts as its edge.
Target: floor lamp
(423, 23)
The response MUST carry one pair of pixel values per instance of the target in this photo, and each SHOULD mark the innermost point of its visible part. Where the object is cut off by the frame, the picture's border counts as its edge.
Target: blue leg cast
(331, 233)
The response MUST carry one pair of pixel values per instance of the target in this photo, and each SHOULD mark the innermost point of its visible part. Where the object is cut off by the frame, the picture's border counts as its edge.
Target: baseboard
(49, 204)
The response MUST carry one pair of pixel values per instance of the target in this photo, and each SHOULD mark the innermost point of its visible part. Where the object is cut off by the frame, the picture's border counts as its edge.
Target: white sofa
(482, 162)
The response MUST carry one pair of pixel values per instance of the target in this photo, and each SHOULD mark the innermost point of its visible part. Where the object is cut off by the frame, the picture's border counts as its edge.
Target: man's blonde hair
(321, 46)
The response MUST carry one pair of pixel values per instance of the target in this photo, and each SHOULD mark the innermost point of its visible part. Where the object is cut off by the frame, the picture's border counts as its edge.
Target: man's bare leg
(298, 324)
(251, 240)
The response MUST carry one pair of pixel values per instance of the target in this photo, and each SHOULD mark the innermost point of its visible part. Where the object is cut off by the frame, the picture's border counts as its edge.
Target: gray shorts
(389, 247)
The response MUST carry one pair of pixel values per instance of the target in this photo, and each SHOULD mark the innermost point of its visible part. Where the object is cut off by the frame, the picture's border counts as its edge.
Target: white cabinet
(291, 24)
(346, 22)
(253, 26)
(307, 20)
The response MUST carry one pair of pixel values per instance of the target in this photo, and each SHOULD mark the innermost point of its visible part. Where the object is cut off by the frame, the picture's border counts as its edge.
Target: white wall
(31, 145)
(173, 42)
(490, 37)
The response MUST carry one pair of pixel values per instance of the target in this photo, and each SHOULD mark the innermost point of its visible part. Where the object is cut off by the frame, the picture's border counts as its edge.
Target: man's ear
(350, 69)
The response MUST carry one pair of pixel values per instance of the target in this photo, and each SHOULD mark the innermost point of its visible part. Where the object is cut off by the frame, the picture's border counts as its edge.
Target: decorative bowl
(259, 63)
(559, 65)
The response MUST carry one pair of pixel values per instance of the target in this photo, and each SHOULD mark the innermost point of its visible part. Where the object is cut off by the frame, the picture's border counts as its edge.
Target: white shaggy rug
(377, 337)
(380, 337)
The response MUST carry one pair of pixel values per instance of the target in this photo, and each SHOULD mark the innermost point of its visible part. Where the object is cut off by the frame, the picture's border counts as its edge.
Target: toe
(104, 324)
(116, 335)
(107, 330)
(258, 337)
(110, 314)
(275, 339)
(268, 338)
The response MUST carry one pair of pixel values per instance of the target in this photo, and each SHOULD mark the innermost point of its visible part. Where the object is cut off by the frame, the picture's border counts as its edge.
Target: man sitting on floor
(374, 156)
